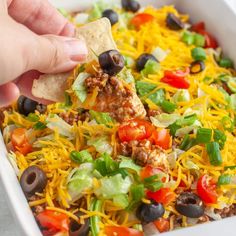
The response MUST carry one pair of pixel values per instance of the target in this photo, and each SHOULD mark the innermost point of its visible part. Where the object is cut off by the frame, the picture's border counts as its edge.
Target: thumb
(52, 54)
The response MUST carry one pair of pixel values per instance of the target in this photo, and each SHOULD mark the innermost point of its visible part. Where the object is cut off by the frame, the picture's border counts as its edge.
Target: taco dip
(140, 139)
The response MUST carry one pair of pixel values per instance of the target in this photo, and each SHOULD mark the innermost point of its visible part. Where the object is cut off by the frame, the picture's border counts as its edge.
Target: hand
(29, 45)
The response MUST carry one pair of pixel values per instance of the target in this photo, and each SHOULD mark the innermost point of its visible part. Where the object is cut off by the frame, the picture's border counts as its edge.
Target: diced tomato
(206, 189)
(20, 141)
(140, 19)
(176, 79)
(198, 27)
(137, 129)
(163, 225)
(149, 171)
(163, 138)
(164, 196)
(121, 231)
(53, 222)
(210, 41)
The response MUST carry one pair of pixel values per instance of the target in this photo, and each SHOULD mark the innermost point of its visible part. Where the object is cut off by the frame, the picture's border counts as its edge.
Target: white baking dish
(220, 16)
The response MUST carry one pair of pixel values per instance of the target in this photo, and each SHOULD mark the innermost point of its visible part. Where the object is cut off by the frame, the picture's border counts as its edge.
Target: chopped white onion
(160, 54)
(209, 211)
(81, 18)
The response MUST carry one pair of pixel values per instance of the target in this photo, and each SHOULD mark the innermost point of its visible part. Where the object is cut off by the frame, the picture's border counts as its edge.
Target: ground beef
(143, 152)
(227, 211)
(113, 97)
(151, 112)
(1, 118)
(98, 80)
(72, 118)
(39, 208)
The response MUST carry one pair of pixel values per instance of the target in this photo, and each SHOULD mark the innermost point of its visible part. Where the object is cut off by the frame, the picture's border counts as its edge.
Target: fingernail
(76, 49)
(69, 30)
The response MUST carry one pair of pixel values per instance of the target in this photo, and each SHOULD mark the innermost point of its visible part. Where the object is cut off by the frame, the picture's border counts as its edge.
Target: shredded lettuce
(113, 185)
(128, 163)
(232, 102)
(164, 120)
(127, 76)
(144, 88)
(79, 180)
(12, 158)
(101, 117)
(121, 200)
(102, 144)
(157, 97)
(55, 122)
(151, 67)
(188, 129)
(182, 95)
(105, 165)
(79, 88)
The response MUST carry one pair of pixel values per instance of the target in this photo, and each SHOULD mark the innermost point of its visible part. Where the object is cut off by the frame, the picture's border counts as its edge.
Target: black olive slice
(190, 205)
(130, 5)
(142, 60)
(173, 22)
(197, 67)
(111, 62)
(147, 213)
(111, 15)
(33, 180)
(77, 229)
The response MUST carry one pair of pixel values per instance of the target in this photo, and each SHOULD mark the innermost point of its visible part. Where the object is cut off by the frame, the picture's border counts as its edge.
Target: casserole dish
(225, 36)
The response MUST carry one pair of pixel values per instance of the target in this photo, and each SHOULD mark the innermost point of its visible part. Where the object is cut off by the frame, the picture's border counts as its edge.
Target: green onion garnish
(188, 38)
(198, 54)
(220, 138)
(227, 123)
(173, 128)
(213, 151)
(204, 135)
(229, 167)
(226, 63)
(187, 120)
(187, 143)
(168, 107)
(39, 126)
(224, 179)
(199, 40)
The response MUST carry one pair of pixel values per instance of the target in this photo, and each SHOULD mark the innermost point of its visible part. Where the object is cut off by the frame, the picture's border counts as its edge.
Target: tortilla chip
(99, 39)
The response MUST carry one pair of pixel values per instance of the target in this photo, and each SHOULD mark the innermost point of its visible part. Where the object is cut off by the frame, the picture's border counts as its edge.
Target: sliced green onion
(144, 88)
(227, 123)
(226, 63)
(188, 38)
(39, 126)
(95, 219)
(173, 128)
(187, 120)
(220, 138)
(207, 79)
(204, 135)
(213, 151)
(33, 117)
(81, 157)
(198, 54)
(137, 193)
(224, 179)
(168, 106)
(154, 186)
(199, 40)
(151, 67)
(187, 143)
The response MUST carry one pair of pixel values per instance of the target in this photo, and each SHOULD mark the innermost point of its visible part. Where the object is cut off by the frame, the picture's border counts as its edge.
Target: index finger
(40, 16)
